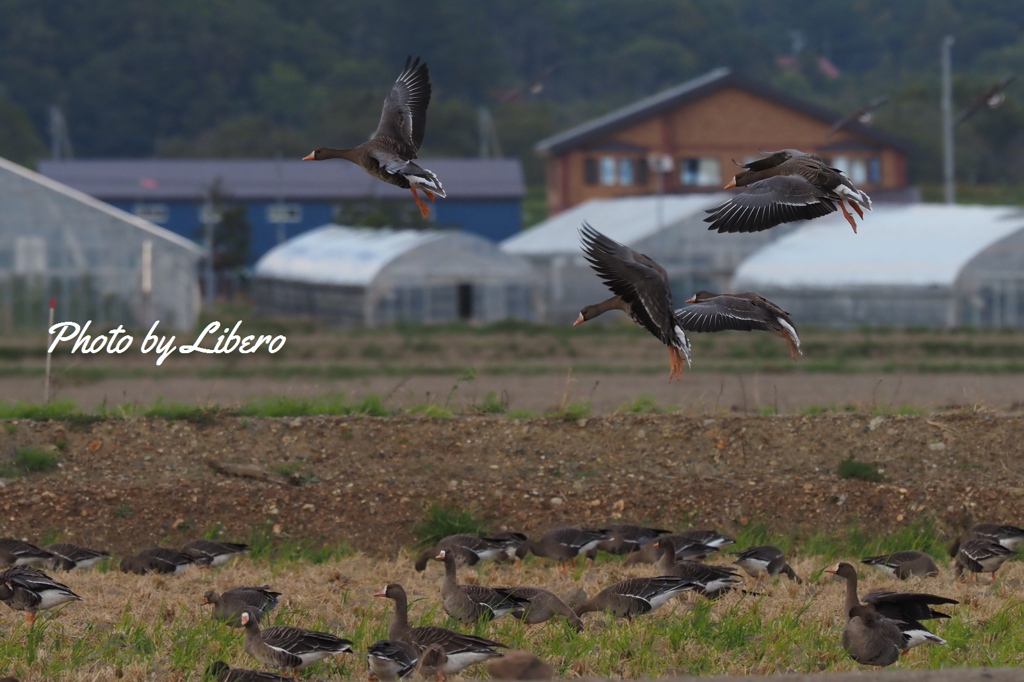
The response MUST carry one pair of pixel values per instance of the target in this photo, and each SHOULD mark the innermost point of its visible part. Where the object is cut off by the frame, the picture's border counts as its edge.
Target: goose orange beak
(732, 183)
(382, 592)
(579, 320)
(832, 569)
(692, 299)
(309, 157)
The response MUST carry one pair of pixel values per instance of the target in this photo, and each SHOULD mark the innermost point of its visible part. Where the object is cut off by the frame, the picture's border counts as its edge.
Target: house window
(641, 171)
(154, 213)
(874, 170)
(608, 170)
(702, 172)
(625, 171)
(859, 171)
(284, 213)
(590, 171)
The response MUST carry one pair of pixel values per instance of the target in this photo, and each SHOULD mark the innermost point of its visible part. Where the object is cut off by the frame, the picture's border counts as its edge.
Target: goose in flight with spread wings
(749, 311)
(389, 153)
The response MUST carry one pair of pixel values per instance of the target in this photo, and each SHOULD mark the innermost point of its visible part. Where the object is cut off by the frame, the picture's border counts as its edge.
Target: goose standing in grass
(642, 291)
(903, 564)
(783, 187)
(711, 581)
(14, 552)
(28, 589)
(696, 543)
(461, 650)
(470, 549)
(636, 596)
(230, 605)
(1010, 537)
(626, 538)
(870, 636)
(749, 311)
(214, 552)
(563, 543)
(389, 153)
(981, 555)
(764, 560)
(222, 672)
(163, 560)
(68, 556)
(391, 659)
(537, 605)
(471, 603)
(288, 647)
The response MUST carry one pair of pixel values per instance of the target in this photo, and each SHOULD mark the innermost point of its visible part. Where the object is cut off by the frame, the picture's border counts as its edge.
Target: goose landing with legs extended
(642, 291)
(389, 153)
(784, 187)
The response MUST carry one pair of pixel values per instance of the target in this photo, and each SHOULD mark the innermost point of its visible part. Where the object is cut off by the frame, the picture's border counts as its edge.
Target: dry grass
(137, 628)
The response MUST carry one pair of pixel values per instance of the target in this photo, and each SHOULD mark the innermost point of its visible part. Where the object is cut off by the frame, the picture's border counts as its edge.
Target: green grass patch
(29, 459)
(443, 520)
(862, 471)
(642, 404)
(577, 409)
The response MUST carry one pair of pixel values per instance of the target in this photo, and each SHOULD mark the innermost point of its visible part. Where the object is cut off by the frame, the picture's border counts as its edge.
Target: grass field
(150, 627)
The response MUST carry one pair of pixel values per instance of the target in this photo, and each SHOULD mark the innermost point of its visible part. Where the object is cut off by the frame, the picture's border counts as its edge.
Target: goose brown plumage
(903, 564)
(641, 289)
(165, 560)
(68, 556)
(389, 153)
(24, 588)
(783, 187)
(868, 637)
(537, 605)
(470, 549)
(626, 538)
(222, 672)
(981, 555)
(696, 543)
(461, 650)
(749, 311)
(1010, 537)
(14, 552)
(391, 659)
(214, 552)
(711, 581)
(229, 606)
(289, 647)
(563, 543)
(636, 596)
(765, 560)
(470, 603)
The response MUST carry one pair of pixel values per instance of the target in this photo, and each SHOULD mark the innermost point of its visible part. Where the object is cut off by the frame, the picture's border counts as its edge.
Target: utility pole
(948, 174)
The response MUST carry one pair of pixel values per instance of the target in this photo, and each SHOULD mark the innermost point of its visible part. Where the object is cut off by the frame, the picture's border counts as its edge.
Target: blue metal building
(285, 198)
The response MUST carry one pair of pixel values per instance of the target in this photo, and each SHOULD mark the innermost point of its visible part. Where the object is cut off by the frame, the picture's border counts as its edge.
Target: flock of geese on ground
(784, 186)
(880, 625)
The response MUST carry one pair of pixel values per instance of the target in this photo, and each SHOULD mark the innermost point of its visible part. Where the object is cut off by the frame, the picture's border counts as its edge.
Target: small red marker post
(46, 388)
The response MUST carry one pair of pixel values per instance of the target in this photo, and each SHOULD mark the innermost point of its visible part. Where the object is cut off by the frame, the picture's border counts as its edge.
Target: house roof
(695, 89)
(908, 245)
(627, 220)
(256, 179)
(94, 204)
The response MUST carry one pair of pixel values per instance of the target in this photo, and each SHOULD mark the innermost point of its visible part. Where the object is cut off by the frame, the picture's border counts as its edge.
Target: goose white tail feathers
(791, 333)
(859, 196)
(427, 181)
(684, 344)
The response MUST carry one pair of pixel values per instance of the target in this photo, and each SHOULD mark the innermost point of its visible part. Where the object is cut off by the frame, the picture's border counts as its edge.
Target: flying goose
(783, 187)
(389, 154)
(749, 311)
(642, 291)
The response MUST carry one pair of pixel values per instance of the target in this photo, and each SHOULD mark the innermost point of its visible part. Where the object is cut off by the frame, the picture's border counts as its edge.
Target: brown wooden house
(686, 138)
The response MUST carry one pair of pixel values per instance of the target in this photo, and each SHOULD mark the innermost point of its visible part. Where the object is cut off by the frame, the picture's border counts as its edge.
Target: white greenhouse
(669, 229)
(97, 262)
(924, 265)
(348, 276)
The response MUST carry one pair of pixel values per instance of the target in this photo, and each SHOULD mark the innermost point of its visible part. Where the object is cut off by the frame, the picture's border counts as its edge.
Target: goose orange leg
(425, 210)
(849, 218)
(671, 363)
(855, 207)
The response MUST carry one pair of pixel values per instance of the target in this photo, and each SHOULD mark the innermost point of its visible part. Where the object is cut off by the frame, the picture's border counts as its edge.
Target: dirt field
(125, 484)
